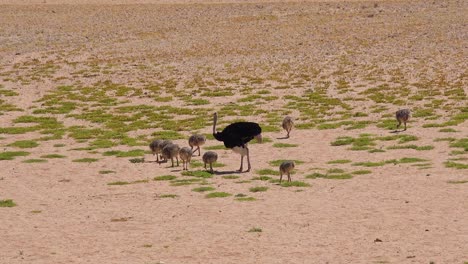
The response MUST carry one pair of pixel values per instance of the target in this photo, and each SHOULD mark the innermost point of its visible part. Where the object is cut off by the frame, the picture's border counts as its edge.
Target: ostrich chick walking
(288, 124)
(196, 141)
(185, 155)
(402, 116)
(155, 147)
(236, 136)
(285, 168)
(210, 157)
(171, 151)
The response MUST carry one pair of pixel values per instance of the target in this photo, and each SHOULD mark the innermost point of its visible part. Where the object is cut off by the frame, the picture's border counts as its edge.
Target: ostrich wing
(240, 133)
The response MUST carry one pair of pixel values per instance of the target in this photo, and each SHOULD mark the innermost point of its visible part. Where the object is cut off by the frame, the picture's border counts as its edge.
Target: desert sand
(84, 89)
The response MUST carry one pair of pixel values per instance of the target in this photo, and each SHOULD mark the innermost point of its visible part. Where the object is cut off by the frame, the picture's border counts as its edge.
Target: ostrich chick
(285, 168)
(197, 141)
(185, 155)
(210, 157)
(288, 124)
(171, 151)
(155, 147)
(402, 116)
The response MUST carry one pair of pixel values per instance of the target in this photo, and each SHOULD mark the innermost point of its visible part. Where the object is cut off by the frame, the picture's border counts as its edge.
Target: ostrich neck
(215, 120)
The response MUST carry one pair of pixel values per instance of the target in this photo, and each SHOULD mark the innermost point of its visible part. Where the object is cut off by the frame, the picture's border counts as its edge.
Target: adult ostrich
(236, 136)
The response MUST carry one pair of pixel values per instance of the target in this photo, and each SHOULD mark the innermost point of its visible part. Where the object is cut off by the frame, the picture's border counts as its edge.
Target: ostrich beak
(259, 138)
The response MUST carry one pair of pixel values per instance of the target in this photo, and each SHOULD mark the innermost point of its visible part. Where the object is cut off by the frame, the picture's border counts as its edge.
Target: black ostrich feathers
(238, 134)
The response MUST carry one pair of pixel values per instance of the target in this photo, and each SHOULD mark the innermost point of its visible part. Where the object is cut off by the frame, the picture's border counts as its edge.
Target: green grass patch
(217, 195)
(53, 156)
(170, 135)
(7, 203)
(126, 183)
(339, 176)
(458, 182)
(261, 178)
(448, 130)
(24, 144)
(455, 165)
(125, 154)
(360, 172)
(183, 182)
(198, 174)
(284, 145)
(339, 161)
(165, 178)
(294, 184)
(268, 172)
(258, 189)
(245, 199)
(106, 172)
(34, 161)
(215, 147)
(203, 189)
(369, 164)
(89, 160)
(411, 160)
(10, 155)
(335, 170)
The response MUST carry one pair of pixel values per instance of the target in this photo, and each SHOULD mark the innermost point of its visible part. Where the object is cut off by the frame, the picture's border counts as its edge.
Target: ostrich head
(259, 138)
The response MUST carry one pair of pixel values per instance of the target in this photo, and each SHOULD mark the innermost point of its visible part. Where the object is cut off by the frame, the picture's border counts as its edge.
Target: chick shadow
(396, 131)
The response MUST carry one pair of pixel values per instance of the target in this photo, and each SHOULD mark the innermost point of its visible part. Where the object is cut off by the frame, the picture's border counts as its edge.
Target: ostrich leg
(248, 159)
(242, 163)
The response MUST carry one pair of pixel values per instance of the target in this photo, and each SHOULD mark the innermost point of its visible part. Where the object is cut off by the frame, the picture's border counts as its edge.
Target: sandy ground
(399, 213)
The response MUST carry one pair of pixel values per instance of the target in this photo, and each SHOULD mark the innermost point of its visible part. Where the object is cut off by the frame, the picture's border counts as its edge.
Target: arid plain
(84, 89)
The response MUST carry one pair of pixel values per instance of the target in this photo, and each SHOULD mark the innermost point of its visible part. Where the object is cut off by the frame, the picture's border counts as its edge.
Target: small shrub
(106, 172)
(255, 230)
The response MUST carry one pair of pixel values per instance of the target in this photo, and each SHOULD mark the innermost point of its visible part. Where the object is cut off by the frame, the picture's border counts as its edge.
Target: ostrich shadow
(225, 172)
(285, 137)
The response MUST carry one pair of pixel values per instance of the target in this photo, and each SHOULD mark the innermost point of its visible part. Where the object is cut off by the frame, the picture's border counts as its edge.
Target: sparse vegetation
(7, 203)
(218, 195)
(203, 189)
(165, 178)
